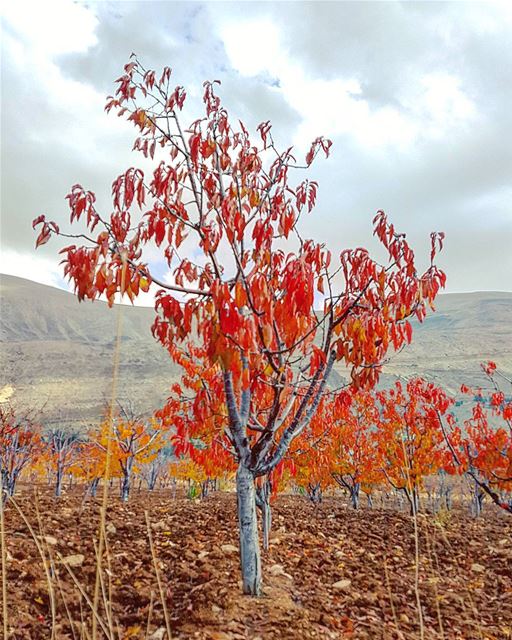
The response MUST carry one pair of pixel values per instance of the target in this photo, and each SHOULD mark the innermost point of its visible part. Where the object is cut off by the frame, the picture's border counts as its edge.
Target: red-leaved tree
(411, 437)
(484, 452)
(224, 211)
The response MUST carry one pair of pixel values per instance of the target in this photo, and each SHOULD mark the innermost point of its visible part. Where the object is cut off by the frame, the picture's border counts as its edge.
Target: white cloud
(415, 96)
(32, 267)
(50, 28)
(433, 105)
(253, 46)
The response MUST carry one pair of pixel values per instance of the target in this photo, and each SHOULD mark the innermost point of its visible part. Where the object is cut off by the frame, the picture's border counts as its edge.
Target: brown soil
(465, 571)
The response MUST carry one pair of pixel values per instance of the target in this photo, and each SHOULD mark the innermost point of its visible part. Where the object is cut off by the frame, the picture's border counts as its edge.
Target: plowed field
(330, 572)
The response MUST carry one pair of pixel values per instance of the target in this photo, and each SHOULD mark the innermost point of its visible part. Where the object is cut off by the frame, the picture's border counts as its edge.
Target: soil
(330, 572)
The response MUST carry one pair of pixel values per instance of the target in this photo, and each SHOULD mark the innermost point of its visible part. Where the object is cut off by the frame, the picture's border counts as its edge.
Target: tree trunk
(11, 485)
(125, 488)
(263, 502)
(354, 495)
(250, 561)
(94, 487)
(315, 493)
(58, 483)
(153, 476)
(414, 500)
(478, 500)
(448, 498)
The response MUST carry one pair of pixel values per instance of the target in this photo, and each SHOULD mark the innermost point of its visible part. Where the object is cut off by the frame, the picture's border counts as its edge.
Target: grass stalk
(108, 458)
(3, 551)
(39, 546)
(158, 579)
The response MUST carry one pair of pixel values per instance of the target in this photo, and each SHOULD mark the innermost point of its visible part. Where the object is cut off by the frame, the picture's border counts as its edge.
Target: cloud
(32, 267)
(415, 96)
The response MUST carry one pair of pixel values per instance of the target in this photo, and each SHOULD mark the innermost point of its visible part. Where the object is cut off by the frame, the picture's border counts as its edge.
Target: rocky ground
(330, 572)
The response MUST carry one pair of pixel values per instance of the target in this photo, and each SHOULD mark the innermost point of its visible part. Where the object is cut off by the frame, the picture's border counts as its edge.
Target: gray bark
(58, 481)
(478, 499)
(250, 560)
(354, 495)
(315, 492)
(94, 487)
(263, 502)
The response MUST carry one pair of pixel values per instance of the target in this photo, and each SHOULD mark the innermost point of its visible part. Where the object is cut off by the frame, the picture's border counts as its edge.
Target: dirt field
(330, 572)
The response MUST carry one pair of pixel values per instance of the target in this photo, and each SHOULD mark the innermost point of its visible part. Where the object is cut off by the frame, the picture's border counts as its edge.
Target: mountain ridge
(59, 352)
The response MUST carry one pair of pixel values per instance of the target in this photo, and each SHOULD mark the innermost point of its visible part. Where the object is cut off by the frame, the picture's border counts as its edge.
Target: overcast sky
(416, 97)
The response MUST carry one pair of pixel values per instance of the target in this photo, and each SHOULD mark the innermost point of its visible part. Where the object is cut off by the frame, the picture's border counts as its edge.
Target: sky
(416, 97)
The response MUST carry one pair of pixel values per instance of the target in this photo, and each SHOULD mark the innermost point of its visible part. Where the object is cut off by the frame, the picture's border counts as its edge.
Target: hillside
(59, 353)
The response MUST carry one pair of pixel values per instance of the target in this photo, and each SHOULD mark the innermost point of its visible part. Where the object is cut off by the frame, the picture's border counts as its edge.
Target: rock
(229, 548)
(159, 634)
(202, 555)
(342, 585)
(75, 560)
(111, 528)
(276, 570)
(159, 526)
(50, 540)
(216, 609)
(477, 568)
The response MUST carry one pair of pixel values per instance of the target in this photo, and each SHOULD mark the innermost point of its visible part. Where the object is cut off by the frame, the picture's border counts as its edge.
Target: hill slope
(57, 351)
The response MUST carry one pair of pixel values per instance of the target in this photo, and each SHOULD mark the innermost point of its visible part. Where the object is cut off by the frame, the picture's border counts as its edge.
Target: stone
(276, 570)
(477, 568)
(75, 560)
(342, 585)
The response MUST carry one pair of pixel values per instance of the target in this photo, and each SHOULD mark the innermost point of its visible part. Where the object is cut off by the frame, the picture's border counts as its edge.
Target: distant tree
(62, 448)
(355, 462)
(20, 445)
(411, 440)
(312, 454)
(133, 442)
(153, 470)
(484, 450)
(90, 465)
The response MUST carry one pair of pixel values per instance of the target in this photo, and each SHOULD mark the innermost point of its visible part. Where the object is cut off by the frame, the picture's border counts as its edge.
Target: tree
(62, 450)
(132, 442)
(153, 470)
(225, 213)
(312, 452)
(89, 464)
(412, 445)
(484, 453)
(355, 462)
(20, 444)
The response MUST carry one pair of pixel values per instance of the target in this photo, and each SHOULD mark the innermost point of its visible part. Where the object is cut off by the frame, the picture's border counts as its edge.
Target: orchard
(258, 317)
